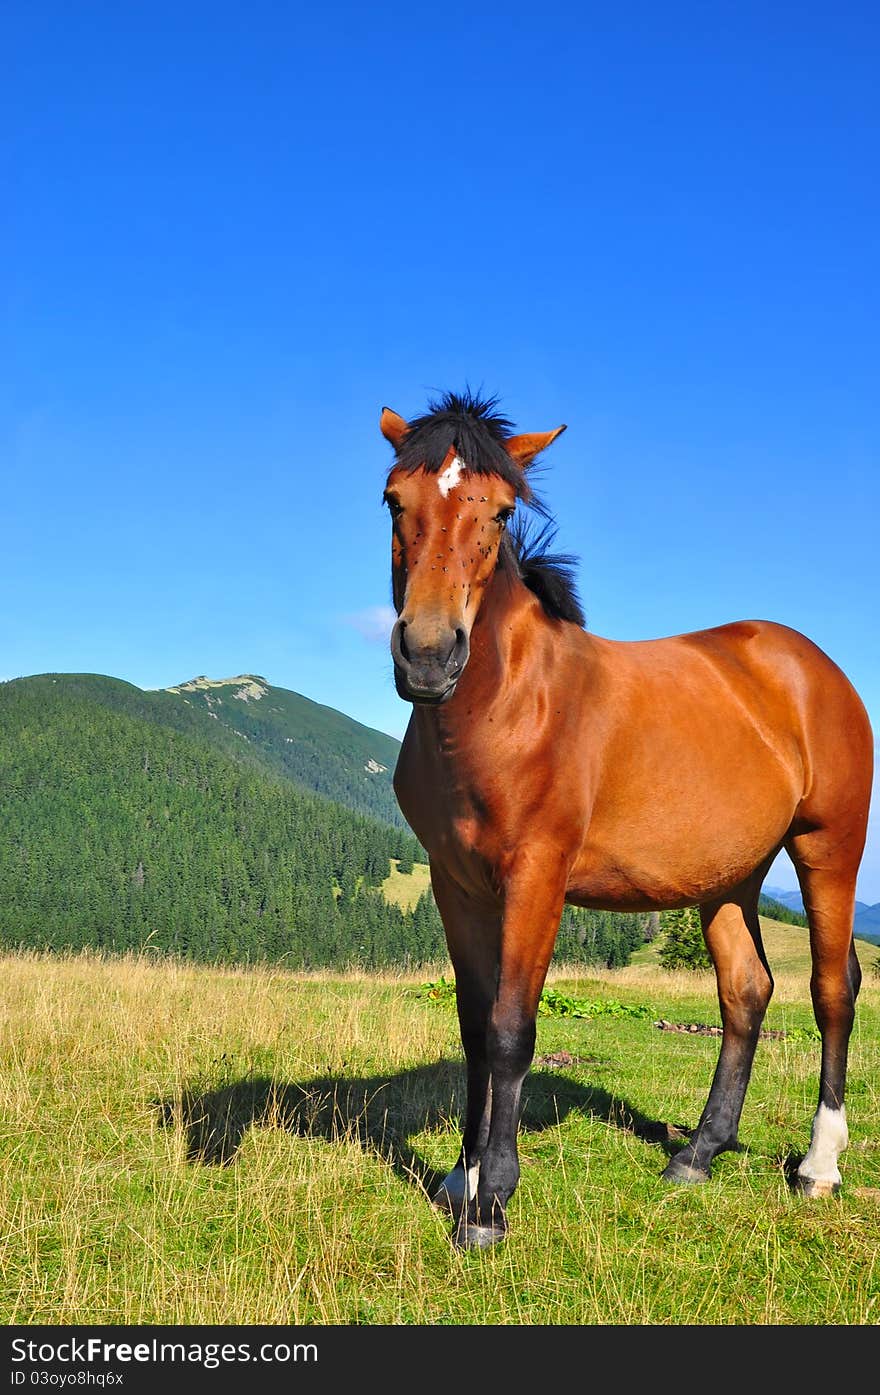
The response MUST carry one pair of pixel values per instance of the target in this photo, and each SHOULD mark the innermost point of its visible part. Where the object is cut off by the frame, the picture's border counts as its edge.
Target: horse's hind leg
(733, 937)
(829, 897)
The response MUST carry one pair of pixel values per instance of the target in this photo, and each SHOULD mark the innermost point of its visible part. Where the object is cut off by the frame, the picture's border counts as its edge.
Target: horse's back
(719, 741)
(763, 665)
(788, 688)
(810, 693)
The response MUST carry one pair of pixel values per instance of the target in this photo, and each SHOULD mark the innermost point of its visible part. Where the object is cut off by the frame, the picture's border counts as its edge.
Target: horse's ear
(525, 448)
(393, 427)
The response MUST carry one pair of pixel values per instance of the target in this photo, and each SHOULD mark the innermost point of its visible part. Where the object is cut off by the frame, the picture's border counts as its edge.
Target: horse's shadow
(383, 1113)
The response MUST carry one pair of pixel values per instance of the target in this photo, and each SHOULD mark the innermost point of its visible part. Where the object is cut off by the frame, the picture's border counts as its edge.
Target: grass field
(197, 1145)
(405, 888)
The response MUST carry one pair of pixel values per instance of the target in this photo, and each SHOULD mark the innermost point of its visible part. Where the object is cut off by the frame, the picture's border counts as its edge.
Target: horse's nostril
(398, 643)
(459, 652)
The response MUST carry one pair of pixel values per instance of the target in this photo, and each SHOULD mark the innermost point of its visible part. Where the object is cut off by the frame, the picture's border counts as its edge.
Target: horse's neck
(510, 623)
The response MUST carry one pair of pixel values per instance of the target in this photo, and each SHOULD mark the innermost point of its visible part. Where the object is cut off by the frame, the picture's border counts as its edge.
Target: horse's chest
(454, 823)
(461, 821)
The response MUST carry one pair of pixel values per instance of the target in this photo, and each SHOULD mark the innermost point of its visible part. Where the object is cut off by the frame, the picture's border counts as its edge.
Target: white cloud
(374, 623)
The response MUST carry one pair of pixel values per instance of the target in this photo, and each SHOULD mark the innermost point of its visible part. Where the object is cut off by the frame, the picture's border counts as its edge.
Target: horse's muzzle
(427, 674)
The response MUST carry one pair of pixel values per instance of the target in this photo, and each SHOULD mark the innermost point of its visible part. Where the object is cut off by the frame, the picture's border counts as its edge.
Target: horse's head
(454, 484)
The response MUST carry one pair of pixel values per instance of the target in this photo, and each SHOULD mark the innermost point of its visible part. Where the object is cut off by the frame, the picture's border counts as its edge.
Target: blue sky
(231, 234)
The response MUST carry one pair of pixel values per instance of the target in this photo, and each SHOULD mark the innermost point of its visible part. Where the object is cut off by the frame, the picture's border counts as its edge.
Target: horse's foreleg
(473, 937)
(733, 937)
(533, 905)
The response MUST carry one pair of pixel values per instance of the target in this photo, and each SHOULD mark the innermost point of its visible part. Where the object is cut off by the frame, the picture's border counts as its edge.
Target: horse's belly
(646, 866)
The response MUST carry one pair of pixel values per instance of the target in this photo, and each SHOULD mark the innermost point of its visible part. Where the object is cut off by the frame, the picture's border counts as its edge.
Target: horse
(544, 764)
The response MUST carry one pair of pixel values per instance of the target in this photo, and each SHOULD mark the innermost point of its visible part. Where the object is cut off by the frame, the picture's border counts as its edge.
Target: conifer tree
(682, 944)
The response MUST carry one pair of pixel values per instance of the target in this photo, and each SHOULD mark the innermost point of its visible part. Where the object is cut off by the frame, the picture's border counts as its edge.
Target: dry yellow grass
(185, 1144)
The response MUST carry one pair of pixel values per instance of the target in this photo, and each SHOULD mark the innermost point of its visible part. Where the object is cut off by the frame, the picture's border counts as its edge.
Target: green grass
(403, 889)
(195, 1145)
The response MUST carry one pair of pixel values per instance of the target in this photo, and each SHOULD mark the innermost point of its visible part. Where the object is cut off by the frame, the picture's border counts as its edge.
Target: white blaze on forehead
(450, 476)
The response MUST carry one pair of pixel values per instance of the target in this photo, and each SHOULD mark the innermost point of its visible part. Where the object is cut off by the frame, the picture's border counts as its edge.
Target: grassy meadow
(183, 1144)
(405, 888)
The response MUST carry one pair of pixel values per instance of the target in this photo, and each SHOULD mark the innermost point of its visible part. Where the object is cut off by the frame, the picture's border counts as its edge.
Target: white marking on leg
(458, 1187)
(829, 1138)
(473, 1179)
(450, 476)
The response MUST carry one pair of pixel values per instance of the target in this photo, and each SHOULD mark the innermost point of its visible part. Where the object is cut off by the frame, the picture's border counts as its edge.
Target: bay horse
(543, 764)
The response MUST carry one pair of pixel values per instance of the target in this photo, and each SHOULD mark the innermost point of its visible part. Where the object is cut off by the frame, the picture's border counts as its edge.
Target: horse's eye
(395, 508)
(504, 516)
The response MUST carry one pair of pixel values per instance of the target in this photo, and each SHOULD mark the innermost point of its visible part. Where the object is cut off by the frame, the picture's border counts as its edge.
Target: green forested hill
(322, 749)
(119, 827)
(273, 729)
(170, 818)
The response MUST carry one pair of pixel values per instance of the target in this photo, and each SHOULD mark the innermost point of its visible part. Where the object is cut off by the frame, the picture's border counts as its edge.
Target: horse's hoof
(814, 1186)
(477, 1237)
(684, 1173)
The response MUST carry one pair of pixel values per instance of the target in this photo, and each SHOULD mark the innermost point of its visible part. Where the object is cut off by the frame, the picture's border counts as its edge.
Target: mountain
(131, 818)
(320, 748)
(289, 735)
(777, 910)
(792, 899)
(277, 730)
(179, 819)
(866, 924)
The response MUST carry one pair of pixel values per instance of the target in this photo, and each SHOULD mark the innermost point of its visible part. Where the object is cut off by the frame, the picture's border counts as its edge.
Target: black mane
(472, 428)
(550, 575)
(476, 431)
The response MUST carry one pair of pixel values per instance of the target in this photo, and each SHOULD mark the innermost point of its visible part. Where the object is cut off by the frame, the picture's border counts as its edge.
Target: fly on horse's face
(448, 518)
